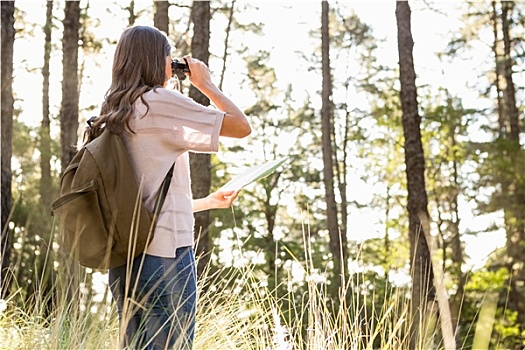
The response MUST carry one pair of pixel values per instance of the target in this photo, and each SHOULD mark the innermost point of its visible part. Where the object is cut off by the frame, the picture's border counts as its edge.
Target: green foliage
(487, 280)
(31, 222)
(507, 329)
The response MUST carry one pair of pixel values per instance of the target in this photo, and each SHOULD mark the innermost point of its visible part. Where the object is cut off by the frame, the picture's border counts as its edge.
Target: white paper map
(253, 174)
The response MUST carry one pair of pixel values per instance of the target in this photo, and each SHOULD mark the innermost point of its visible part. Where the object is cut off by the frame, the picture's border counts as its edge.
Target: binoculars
(178, 69)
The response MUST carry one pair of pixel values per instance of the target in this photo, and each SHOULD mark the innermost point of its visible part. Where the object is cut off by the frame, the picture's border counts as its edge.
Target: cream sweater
(173, 125)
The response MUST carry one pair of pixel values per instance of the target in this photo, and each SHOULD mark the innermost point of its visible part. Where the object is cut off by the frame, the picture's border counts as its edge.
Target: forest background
(397, 221)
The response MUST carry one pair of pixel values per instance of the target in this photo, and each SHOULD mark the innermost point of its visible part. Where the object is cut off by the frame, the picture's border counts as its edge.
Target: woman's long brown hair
(139, 65)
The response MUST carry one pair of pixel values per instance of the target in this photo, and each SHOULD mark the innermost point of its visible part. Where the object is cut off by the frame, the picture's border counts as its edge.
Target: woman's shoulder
(161, 93)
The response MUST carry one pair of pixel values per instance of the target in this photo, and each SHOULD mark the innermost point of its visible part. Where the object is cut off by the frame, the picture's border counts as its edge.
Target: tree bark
(341, 171)
(200, 164)
(422, 274)
(161, 17)
(509, 92)
(456, 245)
(70, 273)
(42, 266)
(498, 70)
(328, 153)
(46, 184)
(69, 111)
(226, 40)
(515, 213)
(8, 38)
(270, 215)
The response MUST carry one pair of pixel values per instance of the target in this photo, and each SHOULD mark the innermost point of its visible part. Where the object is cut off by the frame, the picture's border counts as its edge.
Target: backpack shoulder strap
(164, 187)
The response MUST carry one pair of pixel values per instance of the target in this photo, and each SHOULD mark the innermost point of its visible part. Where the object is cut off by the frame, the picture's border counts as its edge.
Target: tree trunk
(498, 70)
(226, 40)
(46, 184)
(341, 170)
(200, 164)
(270, 215)
(328, 154)
(70, 275)
(160, 17)
(422, 275)
(457, 248)
(8, 38)
(69, 112)
(509, 92)
(515, 213)
(43, 268)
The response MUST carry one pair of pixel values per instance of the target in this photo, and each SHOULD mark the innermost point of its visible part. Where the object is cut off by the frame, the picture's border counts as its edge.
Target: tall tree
(514, 182)
(226, 40)
(161, 16)
(498, 67)
(69, 118)
(8, 38)
(500, 162)
(43, 268)
(351, 41)
(445, 124)
(46, 185)
(200, 164)
(509, 91)
(70, 91)
(505, 164)
(421, 263)
(327, 111)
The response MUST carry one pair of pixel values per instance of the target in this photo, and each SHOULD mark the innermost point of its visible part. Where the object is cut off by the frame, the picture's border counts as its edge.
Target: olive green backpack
(102, 220)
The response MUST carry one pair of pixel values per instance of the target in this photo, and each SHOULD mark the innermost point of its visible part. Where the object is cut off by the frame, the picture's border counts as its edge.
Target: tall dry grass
(236, 311)
(247, 317)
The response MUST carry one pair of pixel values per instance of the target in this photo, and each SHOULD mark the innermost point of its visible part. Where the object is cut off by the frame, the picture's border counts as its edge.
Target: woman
(156, 294)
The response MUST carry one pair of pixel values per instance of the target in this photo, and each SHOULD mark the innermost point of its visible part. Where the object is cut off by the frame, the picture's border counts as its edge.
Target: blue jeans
(156, 301)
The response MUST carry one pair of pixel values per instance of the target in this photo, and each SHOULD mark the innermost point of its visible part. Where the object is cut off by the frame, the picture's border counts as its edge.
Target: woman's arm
(235, 124)
(216, 200)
